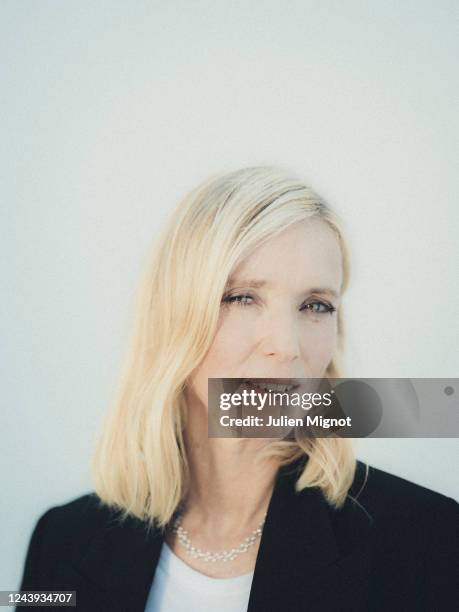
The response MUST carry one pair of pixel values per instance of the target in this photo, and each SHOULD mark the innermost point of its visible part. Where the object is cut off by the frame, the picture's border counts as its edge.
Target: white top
(177, 587)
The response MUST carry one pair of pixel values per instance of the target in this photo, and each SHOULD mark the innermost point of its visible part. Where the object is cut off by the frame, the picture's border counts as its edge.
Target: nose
(281, 338)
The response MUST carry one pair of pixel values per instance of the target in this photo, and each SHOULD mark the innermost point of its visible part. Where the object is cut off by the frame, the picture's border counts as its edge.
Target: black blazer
(396, 549)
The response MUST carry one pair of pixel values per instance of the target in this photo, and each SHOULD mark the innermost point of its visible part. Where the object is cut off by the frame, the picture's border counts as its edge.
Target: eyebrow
(256, 284)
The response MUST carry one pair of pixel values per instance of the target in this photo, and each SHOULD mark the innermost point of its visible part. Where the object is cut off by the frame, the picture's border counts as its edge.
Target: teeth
(276, 387)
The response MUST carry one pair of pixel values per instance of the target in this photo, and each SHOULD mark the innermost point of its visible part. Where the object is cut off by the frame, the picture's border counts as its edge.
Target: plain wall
(111, 111)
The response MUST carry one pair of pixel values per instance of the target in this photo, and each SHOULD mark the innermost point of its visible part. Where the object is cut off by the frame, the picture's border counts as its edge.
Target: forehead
(306, 252)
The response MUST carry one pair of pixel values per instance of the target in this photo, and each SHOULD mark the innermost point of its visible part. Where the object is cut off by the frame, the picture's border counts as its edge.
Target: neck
(229, 481)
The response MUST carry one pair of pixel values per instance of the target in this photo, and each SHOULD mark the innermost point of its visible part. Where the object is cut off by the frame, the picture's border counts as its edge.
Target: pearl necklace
(225, 555)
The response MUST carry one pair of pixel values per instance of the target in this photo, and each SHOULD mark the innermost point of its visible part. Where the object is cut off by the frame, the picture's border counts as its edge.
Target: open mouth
(276, 385)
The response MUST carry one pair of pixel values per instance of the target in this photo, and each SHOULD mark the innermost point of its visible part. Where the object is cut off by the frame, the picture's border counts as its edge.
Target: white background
(111, 111)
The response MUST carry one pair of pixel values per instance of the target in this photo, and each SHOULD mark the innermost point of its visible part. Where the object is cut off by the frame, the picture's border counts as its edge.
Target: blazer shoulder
(85, 514)
(68, 528)
(385, 494)
(61, 534)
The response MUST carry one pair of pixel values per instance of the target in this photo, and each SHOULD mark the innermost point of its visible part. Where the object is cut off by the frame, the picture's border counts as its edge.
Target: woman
(246, 281)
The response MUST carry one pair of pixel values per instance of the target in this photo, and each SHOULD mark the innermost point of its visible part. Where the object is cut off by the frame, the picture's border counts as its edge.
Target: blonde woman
(246, 281)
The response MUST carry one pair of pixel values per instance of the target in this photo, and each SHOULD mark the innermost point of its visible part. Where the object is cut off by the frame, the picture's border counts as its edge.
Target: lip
(280, 381)
(293, 382)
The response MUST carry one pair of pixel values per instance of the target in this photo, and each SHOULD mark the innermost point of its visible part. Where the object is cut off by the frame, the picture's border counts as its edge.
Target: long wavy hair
(140, 465)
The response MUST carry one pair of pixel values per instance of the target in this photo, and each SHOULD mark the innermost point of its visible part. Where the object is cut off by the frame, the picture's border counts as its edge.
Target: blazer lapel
(311, 557)
(299, 556)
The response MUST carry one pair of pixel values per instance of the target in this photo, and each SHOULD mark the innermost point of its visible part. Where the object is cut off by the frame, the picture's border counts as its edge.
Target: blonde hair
(140, 465)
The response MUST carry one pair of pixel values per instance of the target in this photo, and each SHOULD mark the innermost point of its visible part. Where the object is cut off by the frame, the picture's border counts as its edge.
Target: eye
(242, 300)
(322, 308)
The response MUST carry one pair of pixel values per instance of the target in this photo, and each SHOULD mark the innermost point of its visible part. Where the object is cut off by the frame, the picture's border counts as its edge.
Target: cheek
(319, 341)
(231, 345)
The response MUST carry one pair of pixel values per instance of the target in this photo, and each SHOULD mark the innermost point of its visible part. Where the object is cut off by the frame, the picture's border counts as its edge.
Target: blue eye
(237, 299)
(327, 308)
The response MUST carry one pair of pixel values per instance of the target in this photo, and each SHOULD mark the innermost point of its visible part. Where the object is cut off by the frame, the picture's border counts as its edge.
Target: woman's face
(276, 316)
